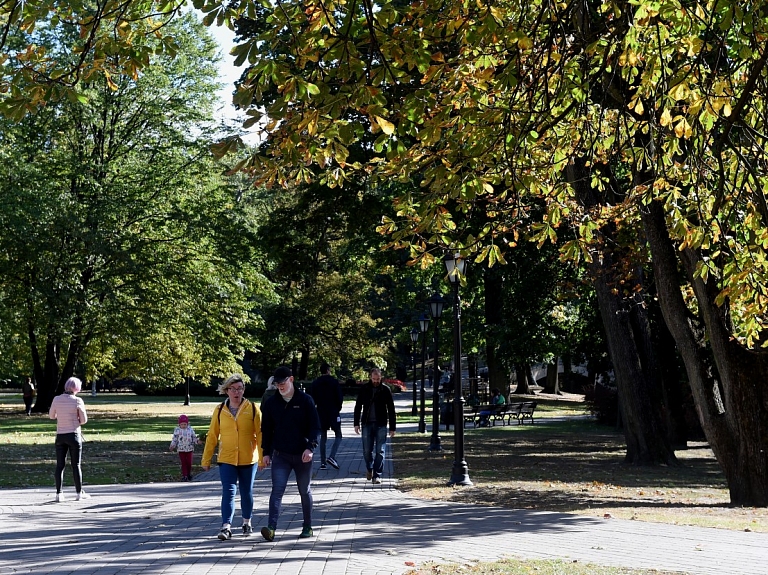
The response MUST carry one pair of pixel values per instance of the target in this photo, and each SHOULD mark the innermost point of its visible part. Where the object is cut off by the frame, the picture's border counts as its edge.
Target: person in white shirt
(69, 412)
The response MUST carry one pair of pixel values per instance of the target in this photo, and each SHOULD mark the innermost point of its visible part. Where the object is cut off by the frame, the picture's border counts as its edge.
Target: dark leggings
(72, 443)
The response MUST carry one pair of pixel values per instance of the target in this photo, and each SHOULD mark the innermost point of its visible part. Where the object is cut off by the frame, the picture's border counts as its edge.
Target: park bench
(525, 411)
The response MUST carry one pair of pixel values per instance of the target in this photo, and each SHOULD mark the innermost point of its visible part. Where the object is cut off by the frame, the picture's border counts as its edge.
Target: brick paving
(360, 528)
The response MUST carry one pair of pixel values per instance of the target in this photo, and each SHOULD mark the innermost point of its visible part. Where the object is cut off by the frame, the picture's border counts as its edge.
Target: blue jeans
(336, 426)
(230, 476)
(282, 465)
(374, 440)
(72, 443)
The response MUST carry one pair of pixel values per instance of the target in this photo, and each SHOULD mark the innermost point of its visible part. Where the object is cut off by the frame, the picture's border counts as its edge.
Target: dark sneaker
(369, 475)
(225, 534)
(268, 533)
(332, 462)
(247, 530)
(376, 480)
(323, 466)
(306, 531)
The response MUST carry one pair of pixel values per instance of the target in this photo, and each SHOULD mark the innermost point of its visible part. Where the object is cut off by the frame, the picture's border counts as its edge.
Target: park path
(360, 528)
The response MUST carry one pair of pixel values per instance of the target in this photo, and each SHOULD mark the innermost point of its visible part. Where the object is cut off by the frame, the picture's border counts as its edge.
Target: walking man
(290, 428)
(374, 408)
(28, 393)
(326, 391)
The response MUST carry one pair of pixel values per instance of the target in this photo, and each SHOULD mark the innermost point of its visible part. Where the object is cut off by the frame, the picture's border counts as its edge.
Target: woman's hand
(205, 467)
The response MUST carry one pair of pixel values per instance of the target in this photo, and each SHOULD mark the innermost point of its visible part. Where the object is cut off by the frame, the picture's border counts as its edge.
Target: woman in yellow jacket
(236, 429)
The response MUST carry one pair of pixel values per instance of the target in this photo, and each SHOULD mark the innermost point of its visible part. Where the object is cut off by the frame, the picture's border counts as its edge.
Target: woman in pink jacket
(69, 413)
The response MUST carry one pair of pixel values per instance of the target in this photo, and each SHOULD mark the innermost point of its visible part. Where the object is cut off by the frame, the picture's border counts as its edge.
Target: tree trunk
(629, 344)
(494, 301)
(727, 380)
(521, 374)
(553, 382)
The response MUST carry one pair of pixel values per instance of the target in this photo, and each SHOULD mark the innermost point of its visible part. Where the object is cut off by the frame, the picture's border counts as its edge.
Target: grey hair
(234, 378)
(375, 370)
(73, 385)
(271, 382)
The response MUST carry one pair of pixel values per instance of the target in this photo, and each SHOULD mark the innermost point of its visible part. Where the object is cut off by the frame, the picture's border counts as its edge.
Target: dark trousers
(71, 443)
(28, 403)
(282, 465)
(336, 427)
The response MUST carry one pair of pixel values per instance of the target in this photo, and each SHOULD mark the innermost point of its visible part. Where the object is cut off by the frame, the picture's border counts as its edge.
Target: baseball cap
(282, 373)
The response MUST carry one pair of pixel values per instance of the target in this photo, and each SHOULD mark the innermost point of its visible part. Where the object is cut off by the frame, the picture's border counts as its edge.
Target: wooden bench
(525, 411)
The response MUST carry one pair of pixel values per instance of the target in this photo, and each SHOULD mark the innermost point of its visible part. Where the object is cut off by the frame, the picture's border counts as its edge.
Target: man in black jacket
(374, 408)
(290, 429)
(326, 391)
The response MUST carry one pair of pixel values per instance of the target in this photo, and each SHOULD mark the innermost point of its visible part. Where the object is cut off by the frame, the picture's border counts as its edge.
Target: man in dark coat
(326, 391)
(374, 409)
(290, 429)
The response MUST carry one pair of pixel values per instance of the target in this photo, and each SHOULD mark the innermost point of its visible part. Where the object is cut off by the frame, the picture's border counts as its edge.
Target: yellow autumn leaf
(386, 126)
(666, 118)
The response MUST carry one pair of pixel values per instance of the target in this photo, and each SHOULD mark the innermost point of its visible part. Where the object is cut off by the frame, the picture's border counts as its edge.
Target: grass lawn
(529, 566)
(126, 440)
(573, 467)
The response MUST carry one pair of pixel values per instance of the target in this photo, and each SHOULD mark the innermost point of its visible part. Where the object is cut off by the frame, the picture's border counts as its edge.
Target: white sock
(246, 521)
(226, 526)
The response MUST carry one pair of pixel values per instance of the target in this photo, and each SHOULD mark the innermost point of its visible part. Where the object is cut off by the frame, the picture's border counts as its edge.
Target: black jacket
(326, 391)
(290, 427)
(381, 399)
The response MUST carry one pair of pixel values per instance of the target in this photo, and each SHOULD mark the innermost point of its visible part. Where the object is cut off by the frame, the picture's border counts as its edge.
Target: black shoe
(247, 530)
(225, 534)
(268, 533)
(323, 466)
(332, 462)
(369, 474)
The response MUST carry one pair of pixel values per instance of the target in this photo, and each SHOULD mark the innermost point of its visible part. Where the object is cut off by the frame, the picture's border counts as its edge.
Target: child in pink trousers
(184, 441)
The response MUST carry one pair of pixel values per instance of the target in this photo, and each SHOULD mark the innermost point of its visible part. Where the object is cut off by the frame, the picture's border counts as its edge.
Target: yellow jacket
(238, 438)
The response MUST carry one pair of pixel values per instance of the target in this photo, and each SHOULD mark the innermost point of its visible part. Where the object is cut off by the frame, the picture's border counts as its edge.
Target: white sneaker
(82, 495)
(60, 497)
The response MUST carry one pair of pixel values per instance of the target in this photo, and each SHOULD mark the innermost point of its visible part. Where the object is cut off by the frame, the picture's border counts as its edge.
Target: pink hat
(183, 419)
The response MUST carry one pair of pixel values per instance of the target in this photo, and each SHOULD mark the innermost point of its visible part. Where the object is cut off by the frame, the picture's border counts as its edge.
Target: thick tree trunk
(729, 385)
(553, 382)
(521, 374)
(627, 329)
(494, 301)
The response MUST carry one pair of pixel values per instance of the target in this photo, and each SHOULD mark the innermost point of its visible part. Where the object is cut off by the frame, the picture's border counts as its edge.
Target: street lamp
(454, 265)
(414, 340)
(436, 304)
(424, 328)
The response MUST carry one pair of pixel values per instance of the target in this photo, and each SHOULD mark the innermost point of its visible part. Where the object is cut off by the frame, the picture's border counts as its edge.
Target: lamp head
(424, 323)
(436, 305)
(414, 335)
(455, 265)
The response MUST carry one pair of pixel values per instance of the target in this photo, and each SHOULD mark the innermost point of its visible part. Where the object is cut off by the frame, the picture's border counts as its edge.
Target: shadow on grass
(565, 466)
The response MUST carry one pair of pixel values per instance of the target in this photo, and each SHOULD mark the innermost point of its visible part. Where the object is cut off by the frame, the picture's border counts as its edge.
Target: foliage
(52, 50)
(121, 253)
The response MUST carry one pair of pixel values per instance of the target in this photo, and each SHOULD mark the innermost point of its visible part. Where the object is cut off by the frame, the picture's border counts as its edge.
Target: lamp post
(424, 328)
(454, 265)
(436, 304)
(414, 340)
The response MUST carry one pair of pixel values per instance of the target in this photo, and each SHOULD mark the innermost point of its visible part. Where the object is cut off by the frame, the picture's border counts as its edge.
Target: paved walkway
(360, 528)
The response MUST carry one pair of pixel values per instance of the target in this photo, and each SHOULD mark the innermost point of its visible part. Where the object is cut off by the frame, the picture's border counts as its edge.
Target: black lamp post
(436, 304)
(424, 328)
(414, 340)
(454, 265)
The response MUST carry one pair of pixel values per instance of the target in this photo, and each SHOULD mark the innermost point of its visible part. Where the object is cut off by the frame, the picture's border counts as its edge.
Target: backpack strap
(253, 411)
